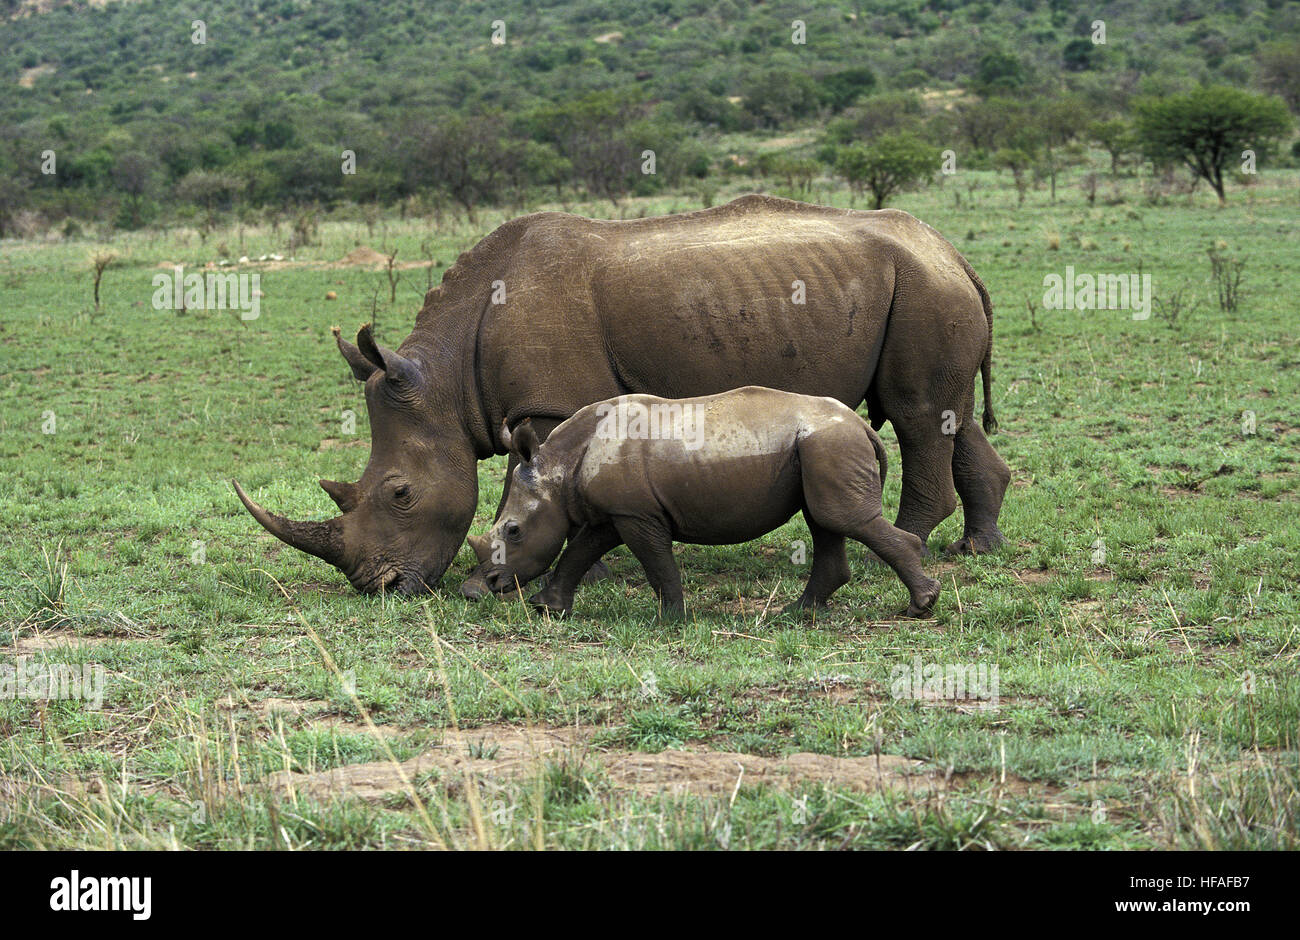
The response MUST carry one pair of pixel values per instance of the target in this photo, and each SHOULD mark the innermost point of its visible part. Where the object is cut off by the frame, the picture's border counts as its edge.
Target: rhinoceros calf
(715, 470)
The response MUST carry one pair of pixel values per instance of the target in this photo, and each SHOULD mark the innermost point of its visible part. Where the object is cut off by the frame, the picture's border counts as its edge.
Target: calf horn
(322, 539)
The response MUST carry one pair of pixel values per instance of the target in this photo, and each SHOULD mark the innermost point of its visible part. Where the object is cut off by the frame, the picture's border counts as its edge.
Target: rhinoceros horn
(322, 539)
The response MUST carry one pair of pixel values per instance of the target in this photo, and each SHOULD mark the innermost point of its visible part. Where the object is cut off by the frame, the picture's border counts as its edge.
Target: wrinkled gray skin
(678, 306)
(739, 466)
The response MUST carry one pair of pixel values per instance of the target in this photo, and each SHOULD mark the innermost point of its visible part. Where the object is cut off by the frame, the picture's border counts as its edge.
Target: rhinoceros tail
(990, 421)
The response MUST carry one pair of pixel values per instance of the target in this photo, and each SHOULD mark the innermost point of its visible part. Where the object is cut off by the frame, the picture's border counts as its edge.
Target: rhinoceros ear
(522, 442)
(397, 368)
(361, 366)
(345, 495)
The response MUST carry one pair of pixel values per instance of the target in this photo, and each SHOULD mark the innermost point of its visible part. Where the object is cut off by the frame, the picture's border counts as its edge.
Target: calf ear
(524, 442)
(361, 366)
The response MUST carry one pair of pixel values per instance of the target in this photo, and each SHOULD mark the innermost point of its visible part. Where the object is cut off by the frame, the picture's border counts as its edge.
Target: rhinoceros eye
(512, 531)
(402, 493)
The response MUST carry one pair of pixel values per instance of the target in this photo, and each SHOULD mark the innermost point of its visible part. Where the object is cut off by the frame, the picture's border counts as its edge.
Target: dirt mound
(503, 753)
(362, 256)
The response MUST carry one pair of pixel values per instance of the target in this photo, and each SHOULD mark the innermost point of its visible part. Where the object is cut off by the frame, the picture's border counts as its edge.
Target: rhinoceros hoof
(803, 608)
(545, 603)
(923, 607)
(978, 543)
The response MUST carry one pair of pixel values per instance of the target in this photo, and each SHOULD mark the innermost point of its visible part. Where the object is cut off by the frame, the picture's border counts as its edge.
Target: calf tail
(990, 421)
(881, 457)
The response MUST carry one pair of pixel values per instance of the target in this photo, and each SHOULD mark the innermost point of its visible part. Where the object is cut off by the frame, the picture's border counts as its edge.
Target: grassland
(1143, 619)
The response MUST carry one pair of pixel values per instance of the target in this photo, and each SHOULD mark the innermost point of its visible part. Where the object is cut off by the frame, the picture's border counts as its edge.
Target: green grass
(1121, 679)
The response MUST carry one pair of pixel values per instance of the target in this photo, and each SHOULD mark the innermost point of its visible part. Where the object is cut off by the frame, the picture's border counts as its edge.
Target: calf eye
(512, 531)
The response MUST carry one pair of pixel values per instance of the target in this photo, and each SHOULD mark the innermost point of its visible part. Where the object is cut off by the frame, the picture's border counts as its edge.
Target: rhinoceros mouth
(393, 581)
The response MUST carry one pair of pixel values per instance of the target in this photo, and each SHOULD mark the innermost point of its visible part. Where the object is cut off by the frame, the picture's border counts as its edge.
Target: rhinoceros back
(760, 291)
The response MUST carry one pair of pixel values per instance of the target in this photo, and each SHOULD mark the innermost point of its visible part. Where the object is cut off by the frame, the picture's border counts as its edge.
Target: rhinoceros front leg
(652, 543)
(583, 551)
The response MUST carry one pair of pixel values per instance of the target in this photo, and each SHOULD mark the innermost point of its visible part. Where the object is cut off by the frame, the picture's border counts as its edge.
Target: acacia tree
(1207, 128)
(889, 164)
(798, 172)
(13, 197)
(133, 174)
(601, 136)
(1115, 137)
(987, 123)
(1058, 122)
(1017, 160)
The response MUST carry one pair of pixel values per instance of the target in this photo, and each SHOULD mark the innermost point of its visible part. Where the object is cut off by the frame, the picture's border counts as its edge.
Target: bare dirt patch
(42, 642)
(334, 443)
(1033, 575)
(312, 709)
(504, 753)
(27, 78)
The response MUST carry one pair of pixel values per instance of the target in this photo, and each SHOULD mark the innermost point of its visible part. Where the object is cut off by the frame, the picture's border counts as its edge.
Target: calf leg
(652, 543)
(901, 550)
(981, 477)
(841, 487)
(830, 567)
(583, 551)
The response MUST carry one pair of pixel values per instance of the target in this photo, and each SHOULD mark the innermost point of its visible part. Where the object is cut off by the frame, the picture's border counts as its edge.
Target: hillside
(260, 111)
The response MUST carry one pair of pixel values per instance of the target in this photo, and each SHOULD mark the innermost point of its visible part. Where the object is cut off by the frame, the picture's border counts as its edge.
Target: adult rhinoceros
(552, 312)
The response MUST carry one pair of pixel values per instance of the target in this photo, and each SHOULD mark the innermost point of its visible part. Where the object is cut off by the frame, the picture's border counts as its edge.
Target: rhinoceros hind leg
(981, 477)
(901, 550)
(841, 484)
(928, 492)
(830, 568)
